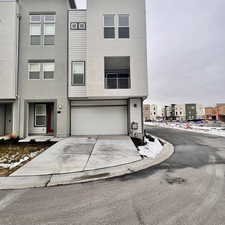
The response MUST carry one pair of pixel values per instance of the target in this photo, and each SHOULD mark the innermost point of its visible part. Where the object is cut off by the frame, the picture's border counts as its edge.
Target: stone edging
(22, 182)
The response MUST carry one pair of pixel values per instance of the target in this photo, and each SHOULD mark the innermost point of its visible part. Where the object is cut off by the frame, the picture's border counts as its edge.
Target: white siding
(8, 49)
(77, 50)
(135, 47)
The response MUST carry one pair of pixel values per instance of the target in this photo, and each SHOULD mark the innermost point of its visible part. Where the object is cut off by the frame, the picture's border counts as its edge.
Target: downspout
(18, 67)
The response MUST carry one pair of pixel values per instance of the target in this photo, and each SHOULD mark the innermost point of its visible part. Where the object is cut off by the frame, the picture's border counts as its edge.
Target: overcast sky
(186, 48)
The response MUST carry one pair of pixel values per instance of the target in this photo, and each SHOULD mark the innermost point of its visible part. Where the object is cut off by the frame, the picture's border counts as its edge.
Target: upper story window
(78, 73)
(117, 72)
(41, 70)
(109, 26)
(42, 29)
(123, 30)
(34, 71)
(78, 26)
(48, 70)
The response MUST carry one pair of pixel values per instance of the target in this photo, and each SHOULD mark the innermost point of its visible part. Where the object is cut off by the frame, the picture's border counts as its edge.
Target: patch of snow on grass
(151, 149)
(12, 165)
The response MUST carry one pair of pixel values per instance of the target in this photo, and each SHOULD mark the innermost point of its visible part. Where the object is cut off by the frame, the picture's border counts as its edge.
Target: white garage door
(108, 120)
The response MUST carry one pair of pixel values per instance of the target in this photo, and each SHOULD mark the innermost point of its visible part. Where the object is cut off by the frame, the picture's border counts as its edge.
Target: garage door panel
(99, 120)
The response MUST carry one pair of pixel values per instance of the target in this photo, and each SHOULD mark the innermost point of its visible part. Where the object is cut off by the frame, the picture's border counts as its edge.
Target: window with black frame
(117, 73)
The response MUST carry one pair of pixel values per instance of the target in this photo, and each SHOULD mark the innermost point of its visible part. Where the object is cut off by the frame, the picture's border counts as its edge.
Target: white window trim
(42, 22)
(115, 27)
(118, 21)
(29, 63)
(72, 74)
(44, 29)
(118, 26)
(35, 115)
(41, 64)
(51, 22)
(50, 71)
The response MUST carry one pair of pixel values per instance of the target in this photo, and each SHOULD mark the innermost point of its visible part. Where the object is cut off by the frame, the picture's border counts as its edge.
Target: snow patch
(151, 149)
(15, 164)
(218, 131)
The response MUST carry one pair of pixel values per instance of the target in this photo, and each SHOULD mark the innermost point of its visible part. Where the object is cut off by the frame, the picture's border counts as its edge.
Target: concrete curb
(22, 182)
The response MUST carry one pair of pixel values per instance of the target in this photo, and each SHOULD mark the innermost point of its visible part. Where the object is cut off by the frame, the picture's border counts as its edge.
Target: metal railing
(117, 83)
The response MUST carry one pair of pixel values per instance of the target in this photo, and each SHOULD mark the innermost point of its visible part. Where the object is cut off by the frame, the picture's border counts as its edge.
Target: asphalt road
(187, 189)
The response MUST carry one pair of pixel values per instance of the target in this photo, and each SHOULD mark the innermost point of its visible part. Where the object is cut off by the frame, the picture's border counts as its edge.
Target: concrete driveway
(76, 154)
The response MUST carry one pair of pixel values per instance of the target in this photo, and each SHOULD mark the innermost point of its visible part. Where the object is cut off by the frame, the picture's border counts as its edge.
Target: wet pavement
(77, 154)
(187, 189)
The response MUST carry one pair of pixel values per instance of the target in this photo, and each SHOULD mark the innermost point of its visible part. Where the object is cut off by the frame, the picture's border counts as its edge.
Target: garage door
(108, 120)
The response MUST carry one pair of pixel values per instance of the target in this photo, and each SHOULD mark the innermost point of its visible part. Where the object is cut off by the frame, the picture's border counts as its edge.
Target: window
(48, 70)
(109, 26)
(42, 29)
(35, 29)
(40, 114)
(49, 29)
(74, 26)
(82, 26)
(117, 72)
(78, 26)
(78, 73)
(41, 70)
(34, 71)
(124, 30)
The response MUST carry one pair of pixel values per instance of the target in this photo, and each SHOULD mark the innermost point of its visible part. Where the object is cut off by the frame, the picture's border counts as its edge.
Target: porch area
(6, 118)
(41, 119)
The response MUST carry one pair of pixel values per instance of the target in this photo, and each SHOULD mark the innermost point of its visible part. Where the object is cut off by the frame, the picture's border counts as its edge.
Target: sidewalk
(131, 164)
(77, 154)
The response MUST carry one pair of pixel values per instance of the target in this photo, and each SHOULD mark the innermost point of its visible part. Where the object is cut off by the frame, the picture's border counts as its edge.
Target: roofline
(73, 4)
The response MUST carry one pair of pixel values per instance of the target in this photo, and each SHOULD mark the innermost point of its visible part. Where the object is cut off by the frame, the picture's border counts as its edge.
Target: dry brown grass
(14, 152)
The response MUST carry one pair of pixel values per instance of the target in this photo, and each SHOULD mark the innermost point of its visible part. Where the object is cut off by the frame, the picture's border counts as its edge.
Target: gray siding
(44, 89)
(8, 49)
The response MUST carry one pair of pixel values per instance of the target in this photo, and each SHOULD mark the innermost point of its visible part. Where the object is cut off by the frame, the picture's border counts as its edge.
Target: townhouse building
(194, 112)
(9, 21)
(81, 72)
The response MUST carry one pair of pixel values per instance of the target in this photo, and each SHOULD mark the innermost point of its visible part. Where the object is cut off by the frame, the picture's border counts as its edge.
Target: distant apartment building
(178, 112)
(215, 113)
(194, 112)
(153, 112)
(181, 112)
